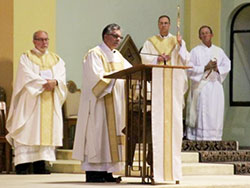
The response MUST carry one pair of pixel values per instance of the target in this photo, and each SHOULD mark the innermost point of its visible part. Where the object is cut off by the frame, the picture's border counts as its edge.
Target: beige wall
(6, 47)
(198, 13)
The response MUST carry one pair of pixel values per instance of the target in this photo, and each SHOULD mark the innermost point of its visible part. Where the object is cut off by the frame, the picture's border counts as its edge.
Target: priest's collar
(169, 35)
(38, 52)
(106, 48)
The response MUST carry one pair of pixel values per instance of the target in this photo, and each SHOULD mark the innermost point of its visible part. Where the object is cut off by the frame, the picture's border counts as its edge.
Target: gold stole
(114, 139)
(168, 122)
(164, 45)
(45, 62)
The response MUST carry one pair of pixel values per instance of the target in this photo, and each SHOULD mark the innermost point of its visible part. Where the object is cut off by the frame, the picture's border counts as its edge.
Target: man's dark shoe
(23, 168)
(109, 178)
(39, 168)
(94, 177)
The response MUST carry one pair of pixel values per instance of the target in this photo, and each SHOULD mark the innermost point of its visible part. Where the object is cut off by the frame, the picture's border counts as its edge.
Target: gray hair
(39, 31)
(109, 28)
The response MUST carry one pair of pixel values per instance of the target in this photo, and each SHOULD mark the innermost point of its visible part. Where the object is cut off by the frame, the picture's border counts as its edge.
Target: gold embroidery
(100, 86)
(168, 108)
(164, 45)
(45, 62)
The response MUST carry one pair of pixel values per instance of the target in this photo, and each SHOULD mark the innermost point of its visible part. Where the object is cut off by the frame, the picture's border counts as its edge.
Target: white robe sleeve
(148, 48)
(28, 78)
(60, 75)
(224, 66)
(183, 53)
(93, 68)
(25, 92)
(112, 82)
(197, 71)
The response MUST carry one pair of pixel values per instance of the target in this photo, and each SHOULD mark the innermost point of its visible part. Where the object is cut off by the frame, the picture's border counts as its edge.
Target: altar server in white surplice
(35, 123)
(206, 98)
(168, 89)
(101, 115)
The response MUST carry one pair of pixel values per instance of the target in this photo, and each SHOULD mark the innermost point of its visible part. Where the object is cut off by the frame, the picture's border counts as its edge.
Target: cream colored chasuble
(45, 62)
(164, 45)
(114, 140)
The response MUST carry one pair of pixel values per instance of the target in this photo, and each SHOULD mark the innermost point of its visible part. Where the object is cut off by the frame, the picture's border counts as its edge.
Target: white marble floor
(78, 180)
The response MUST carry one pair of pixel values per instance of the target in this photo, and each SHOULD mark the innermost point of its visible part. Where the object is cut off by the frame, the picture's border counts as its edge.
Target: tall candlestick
(178, 20)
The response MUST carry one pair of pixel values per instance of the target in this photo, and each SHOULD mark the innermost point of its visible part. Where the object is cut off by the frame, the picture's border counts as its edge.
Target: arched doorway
(240, 57)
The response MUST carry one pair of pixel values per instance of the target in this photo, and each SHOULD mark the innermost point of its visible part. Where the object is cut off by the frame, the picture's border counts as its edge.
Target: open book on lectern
(129, 51)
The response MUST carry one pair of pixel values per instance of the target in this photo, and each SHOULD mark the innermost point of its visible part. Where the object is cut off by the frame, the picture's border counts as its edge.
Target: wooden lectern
(138, 122)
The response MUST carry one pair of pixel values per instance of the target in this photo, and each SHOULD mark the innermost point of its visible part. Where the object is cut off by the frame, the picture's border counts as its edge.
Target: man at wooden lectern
(168, 88)
(101, 115)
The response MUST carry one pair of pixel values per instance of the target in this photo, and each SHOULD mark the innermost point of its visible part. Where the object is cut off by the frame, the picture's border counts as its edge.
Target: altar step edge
(186, 157)
(190, 165)
(74, 166)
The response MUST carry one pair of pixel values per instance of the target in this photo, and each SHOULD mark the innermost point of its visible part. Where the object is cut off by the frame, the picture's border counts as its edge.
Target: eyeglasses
(116, 36)
(41, 39)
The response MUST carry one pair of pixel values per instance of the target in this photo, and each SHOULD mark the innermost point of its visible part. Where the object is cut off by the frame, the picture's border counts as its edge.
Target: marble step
(73, 166)
(207, 169)
(187, 157)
